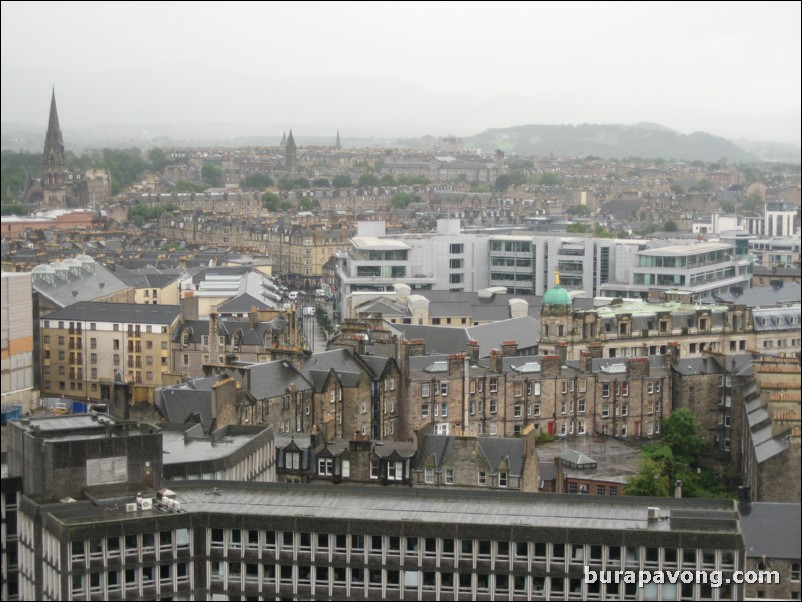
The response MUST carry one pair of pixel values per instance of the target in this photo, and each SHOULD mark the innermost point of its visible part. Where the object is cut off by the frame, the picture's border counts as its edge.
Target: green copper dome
(557, 295)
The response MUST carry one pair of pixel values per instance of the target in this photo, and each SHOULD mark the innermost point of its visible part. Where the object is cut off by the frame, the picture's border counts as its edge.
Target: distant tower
(499, 162)
(337, 144)
(54, 172)
(283, 142)
(290, 154)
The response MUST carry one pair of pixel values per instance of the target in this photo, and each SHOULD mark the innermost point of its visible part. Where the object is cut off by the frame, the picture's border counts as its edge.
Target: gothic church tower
(54, 171)
(290, 154)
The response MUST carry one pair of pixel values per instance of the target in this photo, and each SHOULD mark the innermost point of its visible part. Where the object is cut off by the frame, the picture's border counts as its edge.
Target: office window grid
(381, 566)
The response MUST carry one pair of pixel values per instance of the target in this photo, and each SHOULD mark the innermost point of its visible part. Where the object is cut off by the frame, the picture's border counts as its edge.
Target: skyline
(392, 69)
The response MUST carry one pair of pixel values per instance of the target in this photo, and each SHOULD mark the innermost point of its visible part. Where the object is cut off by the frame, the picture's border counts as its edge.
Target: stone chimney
(585, 361)
(637, 367)
(253, 316)
(509, 348)
(496, 362)
(412, 348)
(673, 351)
(473, 350)
(550, 366)
(596, 349)
(213, 334)
(456, 363)
(561, 348)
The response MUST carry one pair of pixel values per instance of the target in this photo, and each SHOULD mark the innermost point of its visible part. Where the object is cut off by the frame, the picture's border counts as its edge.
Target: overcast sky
(386, 68)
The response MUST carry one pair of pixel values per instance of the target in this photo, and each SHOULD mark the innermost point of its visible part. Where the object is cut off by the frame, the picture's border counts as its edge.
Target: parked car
(293, 295)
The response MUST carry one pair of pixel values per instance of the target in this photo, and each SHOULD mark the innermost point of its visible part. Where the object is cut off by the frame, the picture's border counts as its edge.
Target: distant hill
(645, 140)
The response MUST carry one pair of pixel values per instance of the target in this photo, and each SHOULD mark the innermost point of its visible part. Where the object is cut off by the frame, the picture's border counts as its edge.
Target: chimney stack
(509, 348)
(473, 350)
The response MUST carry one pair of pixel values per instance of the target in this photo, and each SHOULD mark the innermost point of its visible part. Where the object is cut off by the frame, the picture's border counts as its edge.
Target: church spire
(53, 138)
(337, 143)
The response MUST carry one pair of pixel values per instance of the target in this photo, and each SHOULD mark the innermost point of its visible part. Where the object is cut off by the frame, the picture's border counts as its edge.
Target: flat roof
(457, 508)
(81, 426)
(702, 247)
(180, 449)
(374, 243)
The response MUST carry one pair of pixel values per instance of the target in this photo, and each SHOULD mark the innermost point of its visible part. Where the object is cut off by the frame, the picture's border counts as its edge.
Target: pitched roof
(131, 313)
(772, 530)
(73, 285)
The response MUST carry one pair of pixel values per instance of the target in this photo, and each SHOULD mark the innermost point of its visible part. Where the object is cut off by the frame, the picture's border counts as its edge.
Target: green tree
(601, 232)
(401, 200)
(271, 201)
(677, 189)
(387, 180)
(212, 175)
(578, 210)
(679, 432)
(12, 208)
(341, 181)
(157, 160)
(308, 204)
(503, 182)
(753, 202)
(187, 186)
(550, 179)
(651, 480)
(259, 181)
(300, 183)
(704, 185)
(368, 180)
(321, 183)
(285, 184)
(728, 207)
(670, 226)
(576, 228)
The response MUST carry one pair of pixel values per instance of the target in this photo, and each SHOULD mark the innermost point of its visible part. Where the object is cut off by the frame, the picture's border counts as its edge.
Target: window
(606, 390)
(325, 466)
(494, 385)
(502, 479)
(424, 390)
(606, 410)
(444, 410)
(444, 388)
(795, 571)
(449, 478)
(424, 410)
(428, 475)
(624, 390)
(650, 388)
(564, 386)
(456, 249)
(482, 478)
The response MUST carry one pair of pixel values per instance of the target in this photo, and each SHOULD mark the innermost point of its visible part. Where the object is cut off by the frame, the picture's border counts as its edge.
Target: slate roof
(273, 379)
(131, 313)
(491, 449)
(772, 530)
(180, 402)
(348, 369)
(100, 282)
(147, 277)
(763, 296)
(242, 303)
(444, 339)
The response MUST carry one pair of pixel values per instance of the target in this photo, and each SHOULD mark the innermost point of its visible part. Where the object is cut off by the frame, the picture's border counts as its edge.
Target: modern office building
(293, 541)
(703, 269)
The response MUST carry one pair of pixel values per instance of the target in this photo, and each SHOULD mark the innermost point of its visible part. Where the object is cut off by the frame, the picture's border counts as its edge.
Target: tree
(308, 204)
(401, 200)
(272, 202)
(550, 179)
(341, 181)
(157, 159)
(387, 180)
(301, 182)
(212, 175)
(576, 228)
(677, 189)
(651, 480)
(670, 226)
(503, 182)
(680, 434)
(259, 181)
(704, 185)
(321, 182)
(187, 186)
(368, 180)
(578, 210)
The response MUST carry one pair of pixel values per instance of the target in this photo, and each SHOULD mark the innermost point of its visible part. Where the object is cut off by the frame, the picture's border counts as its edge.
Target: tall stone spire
(337, 144)
(283, 142)
(289, 154)
(54, 172)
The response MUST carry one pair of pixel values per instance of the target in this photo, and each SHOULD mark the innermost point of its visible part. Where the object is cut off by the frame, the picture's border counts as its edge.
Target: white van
(292, 295)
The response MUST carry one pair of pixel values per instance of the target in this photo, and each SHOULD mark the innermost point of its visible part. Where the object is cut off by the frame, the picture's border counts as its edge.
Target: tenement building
(293, 541)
